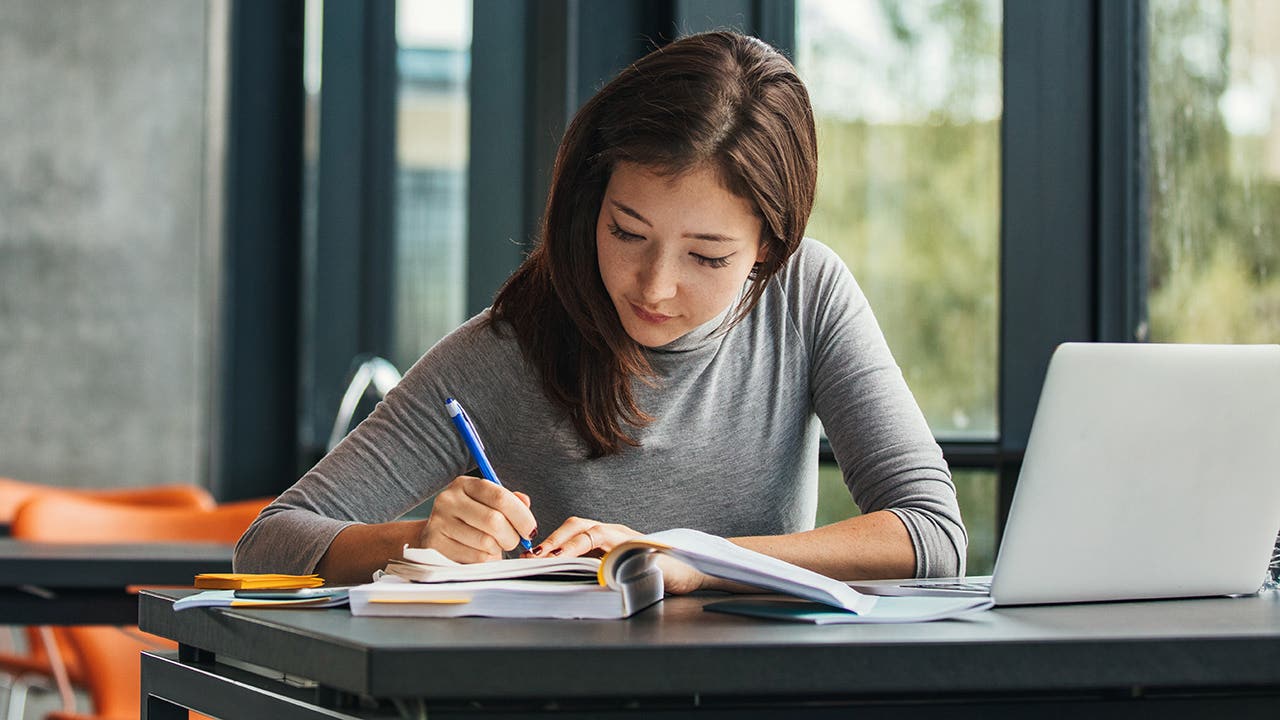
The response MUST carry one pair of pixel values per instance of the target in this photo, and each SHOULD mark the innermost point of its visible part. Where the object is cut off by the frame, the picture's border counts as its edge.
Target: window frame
(253, 427)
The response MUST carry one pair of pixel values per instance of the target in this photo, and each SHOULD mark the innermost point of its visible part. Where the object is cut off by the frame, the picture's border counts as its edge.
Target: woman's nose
(658, 280)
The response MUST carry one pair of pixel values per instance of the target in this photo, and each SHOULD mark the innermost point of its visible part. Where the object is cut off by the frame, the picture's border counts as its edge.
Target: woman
(662, 359)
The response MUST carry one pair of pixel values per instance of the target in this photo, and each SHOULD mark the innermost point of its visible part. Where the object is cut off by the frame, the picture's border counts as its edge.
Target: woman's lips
(645, 315)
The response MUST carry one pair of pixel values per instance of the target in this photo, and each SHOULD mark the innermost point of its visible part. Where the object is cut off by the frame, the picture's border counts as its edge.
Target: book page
(718, 557)
(427, 565)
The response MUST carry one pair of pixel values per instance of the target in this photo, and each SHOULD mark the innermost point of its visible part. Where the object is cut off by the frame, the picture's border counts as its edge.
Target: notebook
(1151, 471)
(621, 584)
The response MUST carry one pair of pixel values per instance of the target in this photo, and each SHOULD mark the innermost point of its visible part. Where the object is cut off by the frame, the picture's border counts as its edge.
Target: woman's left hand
(584, 537)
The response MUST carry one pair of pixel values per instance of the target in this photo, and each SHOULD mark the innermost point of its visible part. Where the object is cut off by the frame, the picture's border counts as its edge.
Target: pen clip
(471, 426)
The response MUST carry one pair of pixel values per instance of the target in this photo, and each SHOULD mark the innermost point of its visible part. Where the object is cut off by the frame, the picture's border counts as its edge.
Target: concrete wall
(105, 331)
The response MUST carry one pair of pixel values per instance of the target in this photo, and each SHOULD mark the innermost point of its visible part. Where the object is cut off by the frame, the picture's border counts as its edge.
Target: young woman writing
(663, 358)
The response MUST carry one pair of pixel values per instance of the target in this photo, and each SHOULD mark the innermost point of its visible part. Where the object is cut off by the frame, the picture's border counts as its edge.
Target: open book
(624, 582)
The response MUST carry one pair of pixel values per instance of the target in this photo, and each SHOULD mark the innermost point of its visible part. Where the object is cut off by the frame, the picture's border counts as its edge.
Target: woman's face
(674, 252)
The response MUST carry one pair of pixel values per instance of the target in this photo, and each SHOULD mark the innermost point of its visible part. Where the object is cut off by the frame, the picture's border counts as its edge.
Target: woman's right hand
(474, 520)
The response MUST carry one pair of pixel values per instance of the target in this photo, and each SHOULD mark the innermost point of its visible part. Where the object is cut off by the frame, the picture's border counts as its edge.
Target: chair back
(14, 493)
(67, 518)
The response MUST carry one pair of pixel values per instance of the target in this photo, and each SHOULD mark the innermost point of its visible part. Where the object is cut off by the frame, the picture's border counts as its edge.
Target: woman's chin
(653, 337)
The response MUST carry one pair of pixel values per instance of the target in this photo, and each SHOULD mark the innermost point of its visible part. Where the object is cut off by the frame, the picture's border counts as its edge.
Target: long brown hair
(715, 99)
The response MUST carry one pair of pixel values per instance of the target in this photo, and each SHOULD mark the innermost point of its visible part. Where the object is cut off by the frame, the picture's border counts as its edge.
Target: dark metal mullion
(978, 455)
(775, 23)
(691, 16)
(1047, 207)
(501, 216)
(553, 80)
(254, 431)
(378, 189)
(1121, 73)
(970, 455)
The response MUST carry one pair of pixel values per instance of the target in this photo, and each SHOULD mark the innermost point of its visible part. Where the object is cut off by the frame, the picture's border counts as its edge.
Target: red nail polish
(533, 533)
(537, 550)
(556, 551)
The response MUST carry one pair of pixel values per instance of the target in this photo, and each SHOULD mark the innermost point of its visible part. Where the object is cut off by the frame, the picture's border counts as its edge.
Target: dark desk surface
(676, 649)
(54, 583)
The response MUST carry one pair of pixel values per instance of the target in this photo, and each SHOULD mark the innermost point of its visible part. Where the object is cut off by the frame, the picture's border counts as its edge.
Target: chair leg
(17, 700)
(20, 687)
(56, 662)
(9, 681)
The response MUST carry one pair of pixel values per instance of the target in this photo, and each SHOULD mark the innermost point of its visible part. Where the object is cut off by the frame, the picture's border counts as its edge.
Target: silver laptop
(1151, 471)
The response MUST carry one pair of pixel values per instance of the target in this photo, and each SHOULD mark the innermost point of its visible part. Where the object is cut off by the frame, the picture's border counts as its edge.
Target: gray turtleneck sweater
(732, 450)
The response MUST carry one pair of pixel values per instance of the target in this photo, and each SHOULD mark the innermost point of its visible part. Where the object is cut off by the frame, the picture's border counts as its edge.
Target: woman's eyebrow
(630, 212)
(713, 237)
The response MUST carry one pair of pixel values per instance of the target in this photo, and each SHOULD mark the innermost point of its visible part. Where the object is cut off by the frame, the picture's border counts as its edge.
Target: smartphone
(295, 594)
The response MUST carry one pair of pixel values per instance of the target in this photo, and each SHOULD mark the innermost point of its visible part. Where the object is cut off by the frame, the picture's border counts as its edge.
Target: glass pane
(312, 56)
(908, 103)
(976, 491)
(1213, 173)
(434, 54)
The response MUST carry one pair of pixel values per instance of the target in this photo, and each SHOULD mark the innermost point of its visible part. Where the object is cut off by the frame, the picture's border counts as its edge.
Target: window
(907, 98)
(1213, 171)
(433, 61)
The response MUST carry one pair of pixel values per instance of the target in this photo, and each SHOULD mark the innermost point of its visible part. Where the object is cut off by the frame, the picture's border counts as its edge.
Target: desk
(1169, 658)
(78, 583)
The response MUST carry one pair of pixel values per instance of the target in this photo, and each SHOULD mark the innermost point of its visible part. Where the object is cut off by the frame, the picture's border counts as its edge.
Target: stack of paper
(249, 581)
(507, 598)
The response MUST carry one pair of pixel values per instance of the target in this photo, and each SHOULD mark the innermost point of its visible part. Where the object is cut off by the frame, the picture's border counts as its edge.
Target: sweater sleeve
(881, 441)
(402, 454)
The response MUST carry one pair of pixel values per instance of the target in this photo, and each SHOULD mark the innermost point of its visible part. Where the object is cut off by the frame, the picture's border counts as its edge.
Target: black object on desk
(1166, 658)
(86, 583)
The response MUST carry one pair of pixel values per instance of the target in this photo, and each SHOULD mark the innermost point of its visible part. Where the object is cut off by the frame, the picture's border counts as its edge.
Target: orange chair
(39, 666)
(72, 519)
(109, 656)
(15, 492)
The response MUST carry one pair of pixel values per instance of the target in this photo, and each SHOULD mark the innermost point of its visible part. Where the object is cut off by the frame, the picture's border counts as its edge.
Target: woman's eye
(716, 262)
(623, 235)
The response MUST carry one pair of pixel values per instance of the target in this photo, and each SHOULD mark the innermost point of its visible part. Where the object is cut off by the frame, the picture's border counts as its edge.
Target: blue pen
(472, 439)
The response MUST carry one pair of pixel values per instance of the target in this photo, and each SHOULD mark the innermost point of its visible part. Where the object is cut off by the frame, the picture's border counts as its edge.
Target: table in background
(1165, 659)
(88, 583)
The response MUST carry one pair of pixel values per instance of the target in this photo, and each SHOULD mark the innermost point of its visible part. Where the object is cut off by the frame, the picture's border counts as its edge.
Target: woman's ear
(763, 254)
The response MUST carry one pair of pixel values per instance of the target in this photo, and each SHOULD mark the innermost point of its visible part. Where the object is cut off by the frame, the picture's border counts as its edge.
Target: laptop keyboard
(975, 587)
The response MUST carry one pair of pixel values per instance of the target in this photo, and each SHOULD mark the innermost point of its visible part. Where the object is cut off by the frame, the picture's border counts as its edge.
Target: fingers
(523, 498)
(473, 520)
(514, 511)
(581, 536)
(464, 552)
